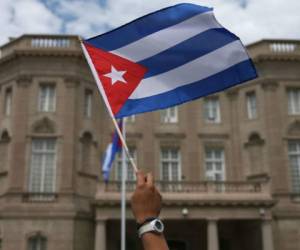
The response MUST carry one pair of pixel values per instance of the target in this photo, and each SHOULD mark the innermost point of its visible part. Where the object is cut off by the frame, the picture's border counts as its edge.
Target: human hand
(146, 200)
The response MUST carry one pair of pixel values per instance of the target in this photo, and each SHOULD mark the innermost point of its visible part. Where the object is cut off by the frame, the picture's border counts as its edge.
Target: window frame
(293, 101)
(41, 239)
(169, 115)
(208, 107)
(34, 152)
(88, 103)
(47, 106)
(169, 160)
(210, 175)
(118, 165)
(294, 179)
(251, 106)
(8, 96)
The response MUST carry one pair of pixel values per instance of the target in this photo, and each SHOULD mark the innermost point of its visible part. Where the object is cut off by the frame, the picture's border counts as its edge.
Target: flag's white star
(116, 75)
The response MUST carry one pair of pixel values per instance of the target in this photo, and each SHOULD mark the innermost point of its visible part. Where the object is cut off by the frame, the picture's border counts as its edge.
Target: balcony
(40, 43)
(237, 192)
(274, 48)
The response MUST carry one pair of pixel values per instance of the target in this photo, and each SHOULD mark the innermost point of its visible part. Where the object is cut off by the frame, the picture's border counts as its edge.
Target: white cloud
(26, 16)
(260, 19)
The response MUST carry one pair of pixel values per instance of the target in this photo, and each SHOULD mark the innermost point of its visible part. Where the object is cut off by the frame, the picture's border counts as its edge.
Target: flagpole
(123, 192)
(100, 87)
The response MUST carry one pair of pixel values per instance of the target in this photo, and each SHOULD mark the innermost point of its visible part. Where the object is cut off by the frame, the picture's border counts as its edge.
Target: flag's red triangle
(109, 65)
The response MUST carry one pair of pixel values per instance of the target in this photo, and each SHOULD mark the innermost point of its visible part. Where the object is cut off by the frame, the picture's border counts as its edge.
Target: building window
(170, 164)
(214, 164)
(130, 175)
(294, 158)
(8, 101)
(47, 99)
(37, 243)
(169, 115)
(294, 101)
(43, 166)
(212, 110)
(88, 97)
(251, 105)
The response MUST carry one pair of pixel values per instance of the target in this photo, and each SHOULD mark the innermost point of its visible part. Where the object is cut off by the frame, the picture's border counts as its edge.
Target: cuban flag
(112, 149)
(166, 58)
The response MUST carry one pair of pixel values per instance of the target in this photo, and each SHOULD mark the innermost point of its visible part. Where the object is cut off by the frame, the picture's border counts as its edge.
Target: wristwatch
(155, 226)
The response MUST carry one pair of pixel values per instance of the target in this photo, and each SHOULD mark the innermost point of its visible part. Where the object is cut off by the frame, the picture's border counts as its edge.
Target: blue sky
(251, 20)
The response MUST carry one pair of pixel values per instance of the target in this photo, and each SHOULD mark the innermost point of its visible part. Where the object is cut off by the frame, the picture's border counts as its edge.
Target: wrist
(153, 225)
(143, 221)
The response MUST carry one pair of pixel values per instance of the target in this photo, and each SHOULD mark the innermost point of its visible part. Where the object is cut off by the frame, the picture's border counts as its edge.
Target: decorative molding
(170, 135)
(87, 175)
(254, 140)
(83, 138)
(24, 80)
(232, 93)
(44, 126)
(269, 84)
(71, 81)
(5, 136)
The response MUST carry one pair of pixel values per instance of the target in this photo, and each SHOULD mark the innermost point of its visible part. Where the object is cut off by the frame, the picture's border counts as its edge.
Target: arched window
(4, 141)
(37, 242)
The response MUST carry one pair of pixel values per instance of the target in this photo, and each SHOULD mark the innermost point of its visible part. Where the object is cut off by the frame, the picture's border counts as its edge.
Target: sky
(251, 20)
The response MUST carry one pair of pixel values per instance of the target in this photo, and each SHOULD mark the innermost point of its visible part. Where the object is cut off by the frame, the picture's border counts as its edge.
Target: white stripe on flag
(161, 40)
(193, 71)
(108, 155)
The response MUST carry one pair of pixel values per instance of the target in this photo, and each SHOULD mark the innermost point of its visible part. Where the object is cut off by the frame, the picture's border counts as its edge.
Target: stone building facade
(228, 166)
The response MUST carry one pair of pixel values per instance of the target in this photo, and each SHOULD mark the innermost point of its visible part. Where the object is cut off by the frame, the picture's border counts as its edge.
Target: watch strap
(139, 225)
(145, 229)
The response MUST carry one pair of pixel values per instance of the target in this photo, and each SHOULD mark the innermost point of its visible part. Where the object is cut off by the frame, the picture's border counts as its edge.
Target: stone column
(212, 235)
(100, 236)
(267, 235)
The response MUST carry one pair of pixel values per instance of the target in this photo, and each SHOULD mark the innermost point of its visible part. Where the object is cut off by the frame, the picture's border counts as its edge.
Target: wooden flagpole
(102, 92)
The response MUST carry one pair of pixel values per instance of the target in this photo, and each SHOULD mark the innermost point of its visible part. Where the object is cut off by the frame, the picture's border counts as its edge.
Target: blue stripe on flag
(236, 74)
(146, 25)
(188, 51)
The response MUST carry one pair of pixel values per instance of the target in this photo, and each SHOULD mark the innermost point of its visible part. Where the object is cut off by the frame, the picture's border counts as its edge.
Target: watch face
(159, 227)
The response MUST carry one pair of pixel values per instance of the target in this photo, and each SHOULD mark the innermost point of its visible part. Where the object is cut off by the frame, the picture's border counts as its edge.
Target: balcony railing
(195, 187)
(39, 197)
(275, 47)
(40, 42)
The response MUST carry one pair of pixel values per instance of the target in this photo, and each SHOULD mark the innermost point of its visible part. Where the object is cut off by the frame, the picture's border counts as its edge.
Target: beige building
(228, 165)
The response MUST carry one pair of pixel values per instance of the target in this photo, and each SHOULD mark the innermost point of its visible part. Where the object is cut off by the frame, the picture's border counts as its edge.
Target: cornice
(41, 53)
(276, 57)
(198, 203)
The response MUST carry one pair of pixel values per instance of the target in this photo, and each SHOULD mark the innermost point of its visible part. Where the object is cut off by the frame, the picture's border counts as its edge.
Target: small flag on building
(112, 149)
(166, 58)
